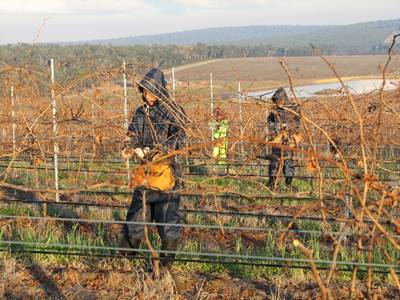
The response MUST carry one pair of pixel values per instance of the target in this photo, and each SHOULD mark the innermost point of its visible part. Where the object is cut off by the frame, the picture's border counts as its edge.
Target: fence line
(194, 211)
(118, 256)
(202, 254)
(193, 226)
(183, 193)
(210, 173)
(206, 162)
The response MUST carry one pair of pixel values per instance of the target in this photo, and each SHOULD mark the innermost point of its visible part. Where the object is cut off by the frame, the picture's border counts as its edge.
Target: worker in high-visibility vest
(220, 129)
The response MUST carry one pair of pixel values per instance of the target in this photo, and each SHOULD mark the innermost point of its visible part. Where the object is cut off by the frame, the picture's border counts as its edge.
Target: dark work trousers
(161, 208)
(276, 162)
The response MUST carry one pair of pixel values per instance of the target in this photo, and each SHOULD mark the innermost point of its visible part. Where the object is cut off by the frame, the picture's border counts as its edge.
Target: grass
(265, 244)
(235, 243)
(70, 174)
(100, 235)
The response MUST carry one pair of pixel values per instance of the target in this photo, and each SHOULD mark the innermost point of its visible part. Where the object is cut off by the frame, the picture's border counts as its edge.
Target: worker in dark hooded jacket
(282, 126)
(156, 127)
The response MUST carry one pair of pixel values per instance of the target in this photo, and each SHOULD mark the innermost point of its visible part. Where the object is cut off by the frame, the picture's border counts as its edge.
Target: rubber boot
(166, 259)
(288, 183)
(132, 243)
(271, 182)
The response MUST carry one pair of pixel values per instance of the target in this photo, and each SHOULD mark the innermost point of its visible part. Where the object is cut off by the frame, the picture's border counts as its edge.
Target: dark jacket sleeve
(176, 131)
(135, 129)
(297, 119)
(273, 123)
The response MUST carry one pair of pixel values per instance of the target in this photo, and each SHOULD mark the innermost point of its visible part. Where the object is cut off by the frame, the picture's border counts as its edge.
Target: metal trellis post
(173, 82)
(126, 116)
(241, 119)
(54, 119)
(14, 125)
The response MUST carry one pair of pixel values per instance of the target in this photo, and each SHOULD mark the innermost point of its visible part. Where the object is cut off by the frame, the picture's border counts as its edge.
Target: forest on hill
(76, 58)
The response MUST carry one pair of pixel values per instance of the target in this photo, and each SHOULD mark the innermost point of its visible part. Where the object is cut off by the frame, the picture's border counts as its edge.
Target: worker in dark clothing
(156, 129)
(281, 161)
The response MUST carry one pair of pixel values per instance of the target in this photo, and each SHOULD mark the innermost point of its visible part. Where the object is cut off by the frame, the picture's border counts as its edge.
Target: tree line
(73, 60)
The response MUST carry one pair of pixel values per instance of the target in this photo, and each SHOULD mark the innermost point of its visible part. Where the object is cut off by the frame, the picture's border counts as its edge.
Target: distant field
(268, 72)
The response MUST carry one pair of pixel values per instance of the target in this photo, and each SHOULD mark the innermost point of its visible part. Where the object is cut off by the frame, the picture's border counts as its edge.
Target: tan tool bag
(154, 175)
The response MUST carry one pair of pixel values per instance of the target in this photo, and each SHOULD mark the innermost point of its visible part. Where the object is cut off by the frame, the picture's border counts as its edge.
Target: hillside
(355, 37)
(221, 35)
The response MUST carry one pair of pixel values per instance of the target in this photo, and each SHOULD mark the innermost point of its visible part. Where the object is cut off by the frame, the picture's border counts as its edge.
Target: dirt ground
(32, 280)
(268, 68)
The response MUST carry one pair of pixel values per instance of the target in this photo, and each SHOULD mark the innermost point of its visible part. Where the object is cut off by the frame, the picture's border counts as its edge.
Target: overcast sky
(73, 20)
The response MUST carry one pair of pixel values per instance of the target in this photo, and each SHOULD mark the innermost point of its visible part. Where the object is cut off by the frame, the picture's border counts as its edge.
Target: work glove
(127, 153)
(298, 137)
(141, 152)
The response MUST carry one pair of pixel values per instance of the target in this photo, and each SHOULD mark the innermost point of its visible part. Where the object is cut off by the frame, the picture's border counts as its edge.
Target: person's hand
(141, 152)
(127, 153)
(298, 137)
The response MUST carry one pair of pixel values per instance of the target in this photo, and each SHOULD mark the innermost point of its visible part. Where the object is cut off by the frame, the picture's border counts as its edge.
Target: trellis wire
(193, 226)
(214, 174)
(202, 254)
(194, 211)
(117, 256)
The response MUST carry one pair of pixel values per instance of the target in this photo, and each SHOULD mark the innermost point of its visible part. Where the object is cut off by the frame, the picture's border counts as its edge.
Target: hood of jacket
(154, 82)
(280, 94)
